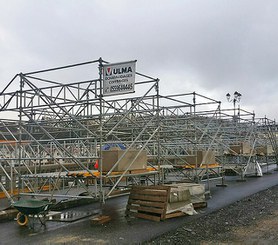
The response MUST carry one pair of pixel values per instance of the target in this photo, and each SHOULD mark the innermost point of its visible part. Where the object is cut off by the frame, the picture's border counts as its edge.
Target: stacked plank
(148, 202)
(163, 202)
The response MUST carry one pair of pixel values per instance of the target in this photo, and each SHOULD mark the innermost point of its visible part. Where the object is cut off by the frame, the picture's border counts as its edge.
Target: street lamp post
(236, 98)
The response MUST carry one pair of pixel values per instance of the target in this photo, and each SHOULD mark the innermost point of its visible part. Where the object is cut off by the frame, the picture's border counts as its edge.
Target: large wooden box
(191, 159)
(205, 157)
(110, 158)
(242, 148)
(264, 150)
(201, 157)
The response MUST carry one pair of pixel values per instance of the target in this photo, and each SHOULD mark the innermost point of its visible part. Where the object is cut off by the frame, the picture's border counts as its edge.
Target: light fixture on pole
(235, 99)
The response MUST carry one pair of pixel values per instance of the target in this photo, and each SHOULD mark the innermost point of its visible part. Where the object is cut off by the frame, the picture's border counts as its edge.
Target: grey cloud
(214, 46)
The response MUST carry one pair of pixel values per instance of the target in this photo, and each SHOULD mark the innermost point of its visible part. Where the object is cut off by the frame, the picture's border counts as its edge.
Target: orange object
(96, 165)
(21, 219)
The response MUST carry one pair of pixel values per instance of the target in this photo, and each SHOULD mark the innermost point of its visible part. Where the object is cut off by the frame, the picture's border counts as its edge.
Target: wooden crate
(111, 157)
(151, 202)
(148, 202)
(241, 148)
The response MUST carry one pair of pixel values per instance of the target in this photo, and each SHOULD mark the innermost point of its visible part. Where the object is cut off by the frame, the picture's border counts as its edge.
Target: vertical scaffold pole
(160, 178)
(100, 129)
(196, 177)
(19, 143)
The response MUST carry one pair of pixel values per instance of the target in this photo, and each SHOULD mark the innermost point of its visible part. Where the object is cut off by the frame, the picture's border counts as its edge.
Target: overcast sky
(208, 46)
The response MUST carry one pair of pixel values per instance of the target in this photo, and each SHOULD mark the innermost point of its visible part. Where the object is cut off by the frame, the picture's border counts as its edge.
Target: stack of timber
(148, 202)
(162, 202)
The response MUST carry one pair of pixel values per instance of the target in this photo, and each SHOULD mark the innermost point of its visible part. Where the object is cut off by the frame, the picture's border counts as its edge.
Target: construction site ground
(242, 213)
(253, 220)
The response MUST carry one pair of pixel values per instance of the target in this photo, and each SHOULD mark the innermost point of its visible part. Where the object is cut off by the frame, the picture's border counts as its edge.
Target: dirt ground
(253, 220)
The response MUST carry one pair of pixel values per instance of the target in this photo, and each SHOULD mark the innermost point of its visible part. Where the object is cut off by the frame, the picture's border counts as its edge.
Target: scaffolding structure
(55, 130)
(52, 132)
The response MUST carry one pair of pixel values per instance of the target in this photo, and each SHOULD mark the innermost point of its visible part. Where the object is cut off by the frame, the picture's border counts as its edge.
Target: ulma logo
(117, 71)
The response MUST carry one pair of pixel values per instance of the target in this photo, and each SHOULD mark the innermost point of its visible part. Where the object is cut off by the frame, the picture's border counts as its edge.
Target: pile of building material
(179, 202)
(167, 201)
(196, 192)
(148, 202)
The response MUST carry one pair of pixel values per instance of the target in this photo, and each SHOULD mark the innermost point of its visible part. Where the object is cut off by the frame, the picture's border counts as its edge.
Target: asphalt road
(122, 230)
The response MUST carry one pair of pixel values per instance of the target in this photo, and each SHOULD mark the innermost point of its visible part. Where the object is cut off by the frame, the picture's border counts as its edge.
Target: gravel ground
(253, 220)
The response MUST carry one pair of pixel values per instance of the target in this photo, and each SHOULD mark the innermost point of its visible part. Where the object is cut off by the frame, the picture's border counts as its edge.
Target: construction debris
(99, 220)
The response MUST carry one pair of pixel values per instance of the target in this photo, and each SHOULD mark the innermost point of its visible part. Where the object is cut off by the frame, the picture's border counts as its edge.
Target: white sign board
(119, 78)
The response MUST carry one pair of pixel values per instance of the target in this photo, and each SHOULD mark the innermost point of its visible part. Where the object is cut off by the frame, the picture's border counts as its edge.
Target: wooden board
(175, 214)
(144, 216)
(147, 197)
(146, 203)
(156, 210)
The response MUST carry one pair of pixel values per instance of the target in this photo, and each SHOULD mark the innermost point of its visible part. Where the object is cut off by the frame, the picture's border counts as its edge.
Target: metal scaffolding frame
(63, 127)
(53, 131)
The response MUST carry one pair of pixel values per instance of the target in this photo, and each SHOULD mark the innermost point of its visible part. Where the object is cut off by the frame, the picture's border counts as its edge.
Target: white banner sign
(119, 78)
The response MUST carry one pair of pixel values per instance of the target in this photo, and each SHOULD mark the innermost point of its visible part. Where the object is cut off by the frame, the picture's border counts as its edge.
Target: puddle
(70, 216)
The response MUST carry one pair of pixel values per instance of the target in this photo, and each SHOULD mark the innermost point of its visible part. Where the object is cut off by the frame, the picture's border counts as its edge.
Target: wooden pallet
(148, 202)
